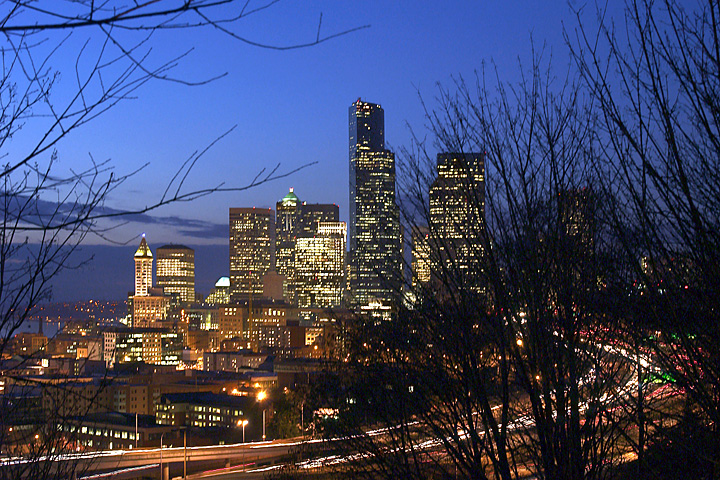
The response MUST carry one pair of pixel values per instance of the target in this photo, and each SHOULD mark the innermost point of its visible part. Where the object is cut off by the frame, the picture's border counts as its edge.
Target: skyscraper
(149, 305)
(286, 224)
(457, 211)
(421, 256)
(252, 248)
(375, 240)
(176, 271)
(312, 214)
(296, 220)
(320, 266)
(143, 269)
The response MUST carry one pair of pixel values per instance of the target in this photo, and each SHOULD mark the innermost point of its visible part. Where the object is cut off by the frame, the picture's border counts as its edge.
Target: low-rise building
(114, 431)
(204, 409)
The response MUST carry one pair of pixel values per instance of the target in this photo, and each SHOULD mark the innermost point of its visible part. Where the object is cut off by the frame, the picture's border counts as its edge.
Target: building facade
(149, 309)
(297, 220)
(252, 248)
(149, 304)
(143, 268)
(321, 267)
(422, 257)
(375, 238)
(286, 224)
(311, 214)
(457, 214)
(176, 272)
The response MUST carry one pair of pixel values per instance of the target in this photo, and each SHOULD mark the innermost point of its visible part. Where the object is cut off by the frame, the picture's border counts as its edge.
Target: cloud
(38, 212)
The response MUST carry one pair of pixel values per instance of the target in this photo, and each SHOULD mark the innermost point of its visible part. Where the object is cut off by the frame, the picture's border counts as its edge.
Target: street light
(161, 441)
(243, 424)
(262, 396)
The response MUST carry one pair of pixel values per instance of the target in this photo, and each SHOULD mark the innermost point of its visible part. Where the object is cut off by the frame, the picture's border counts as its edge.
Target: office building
(143, 268)
(176, 272)
(296, 219)
(320, 266)
(311, 214)
(220, 295)
(375, 239)
(457, 213)
(286, 224)
(149, 305)
(421, 263)
(149, 309)
(578, 209)
(252, 247)
(206, 410)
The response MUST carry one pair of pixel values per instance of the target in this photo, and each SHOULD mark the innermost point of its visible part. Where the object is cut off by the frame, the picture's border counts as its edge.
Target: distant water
(50, 329)
(108, 273)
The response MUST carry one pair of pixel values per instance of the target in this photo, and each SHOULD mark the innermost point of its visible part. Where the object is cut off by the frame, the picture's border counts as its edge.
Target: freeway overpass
(225, 455)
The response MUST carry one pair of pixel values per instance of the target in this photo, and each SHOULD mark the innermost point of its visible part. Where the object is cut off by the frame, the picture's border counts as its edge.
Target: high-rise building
(286, 224)
(252, 248)
(220, 295)
(295, 220)
(578, 209)
(320, 266)
(421, 262)
(143, 269)
(176, 271)
(375, 239)
(457, 211)
(311, 214)
(149, 305)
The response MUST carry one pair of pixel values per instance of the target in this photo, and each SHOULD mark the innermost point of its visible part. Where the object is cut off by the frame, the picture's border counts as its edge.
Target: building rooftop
(290, 198)
(208, 398)
(172, 246)
(143, 250)
(118, 419)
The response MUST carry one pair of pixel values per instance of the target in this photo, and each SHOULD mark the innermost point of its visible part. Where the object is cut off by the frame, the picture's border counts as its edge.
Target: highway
(254, 460)
(123, 462)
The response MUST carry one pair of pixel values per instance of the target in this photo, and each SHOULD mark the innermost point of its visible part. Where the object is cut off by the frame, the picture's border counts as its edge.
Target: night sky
(288, 108)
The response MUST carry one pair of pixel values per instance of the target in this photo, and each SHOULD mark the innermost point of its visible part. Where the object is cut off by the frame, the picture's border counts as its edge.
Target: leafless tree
(655, 76)
(504, 365)
(46, 212)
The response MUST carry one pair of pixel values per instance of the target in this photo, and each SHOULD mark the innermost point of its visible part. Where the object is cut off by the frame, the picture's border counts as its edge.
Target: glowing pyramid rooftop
(143, 250)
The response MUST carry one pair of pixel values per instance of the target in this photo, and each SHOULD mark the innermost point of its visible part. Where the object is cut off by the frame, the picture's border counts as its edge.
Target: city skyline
(522, 284)
(268, 132)
(401, 59)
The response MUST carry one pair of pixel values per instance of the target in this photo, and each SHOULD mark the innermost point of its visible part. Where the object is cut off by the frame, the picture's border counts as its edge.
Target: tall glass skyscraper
(375, 240)
(321, 266)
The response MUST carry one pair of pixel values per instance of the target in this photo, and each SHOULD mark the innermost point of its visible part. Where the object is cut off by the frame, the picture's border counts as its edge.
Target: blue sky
(290, 107)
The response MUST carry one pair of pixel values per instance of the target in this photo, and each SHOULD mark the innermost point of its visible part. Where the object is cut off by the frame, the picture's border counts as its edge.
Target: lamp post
(262, 396)
(161, 441)
(243, 424)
